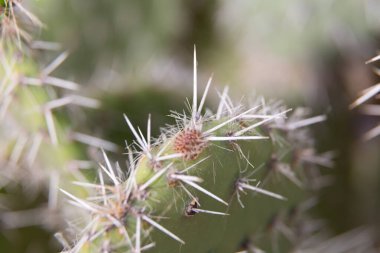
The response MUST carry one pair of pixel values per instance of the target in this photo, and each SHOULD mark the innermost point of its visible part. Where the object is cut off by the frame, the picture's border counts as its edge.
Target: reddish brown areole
(190, 143)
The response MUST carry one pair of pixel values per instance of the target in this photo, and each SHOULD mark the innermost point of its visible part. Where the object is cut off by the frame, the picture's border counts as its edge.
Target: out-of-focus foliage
(245, 43)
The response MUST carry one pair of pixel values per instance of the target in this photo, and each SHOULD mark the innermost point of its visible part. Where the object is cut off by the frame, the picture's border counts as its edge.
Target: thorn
(101, 179)
(208, 211)
(262, 191)
(185, 177)
(138, 234)
(261, 122)
(32, 18)
(119, 225)
(162, 229)
(138, 138)
(306, 122)
(376, 58)
(195, 88)
(235, 138)
(171, 156)
(61, 83)
(109, 167)
(109, 174)
(81, 202)
(88, 185)
(45, 45)
(148, 246)
(144, 141)
(192, 166)
(201, 104)
(148, 130)
(54, 64)
(370, 92)
(62, 240)
(50, 126)
(154, 178)
(18, 148)
(32, 154)
(230, 120)
(221, 103)
(53, 191)
(199, 188)
(372, 133)
(94, 141)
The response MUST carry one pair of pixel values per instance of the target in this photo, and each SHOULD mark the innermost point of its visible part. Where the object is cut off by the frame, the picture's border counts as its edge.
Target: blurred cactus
(36, 155)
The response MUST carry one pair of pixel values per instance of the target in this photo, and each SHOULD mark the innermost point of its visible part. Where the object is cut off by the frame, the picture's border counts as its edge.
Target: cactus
(36, 155)
(208, 184)
(240, 179)
(224, 180)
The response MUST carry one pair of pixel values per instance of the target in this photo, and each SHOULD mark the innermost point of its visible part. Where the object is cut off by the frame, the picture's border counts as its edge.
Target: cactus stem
(161, 174)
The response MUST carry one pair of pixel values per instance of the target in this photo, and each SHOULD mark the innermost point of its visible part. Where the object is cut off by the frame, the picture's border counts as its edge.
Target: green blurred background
(136, 57)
